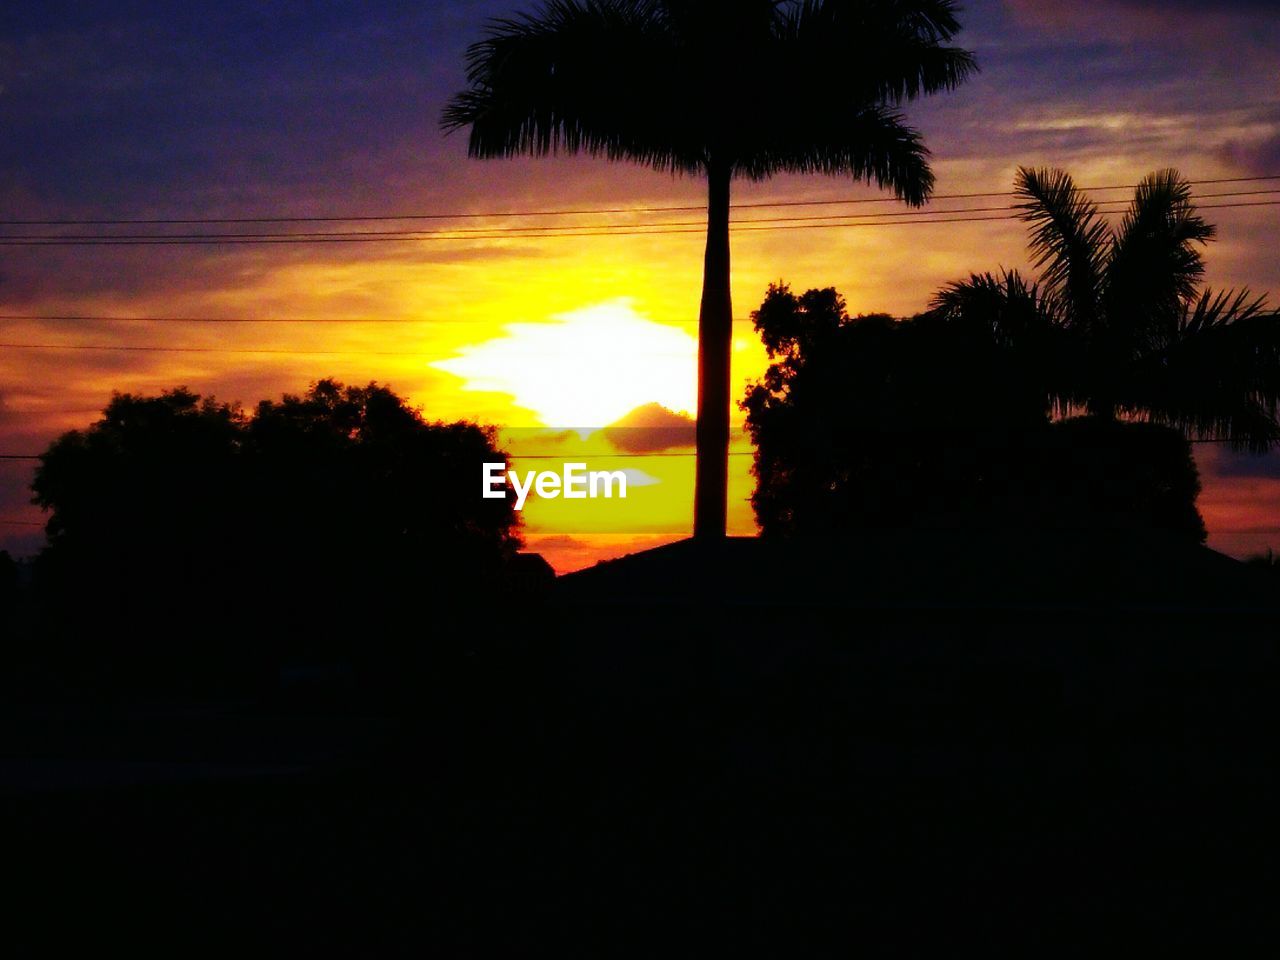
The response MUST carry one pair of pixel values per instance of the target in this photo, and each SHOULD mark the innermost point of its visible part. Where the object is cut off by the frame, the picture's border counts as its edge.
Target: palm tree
(722, 89)
(1119, 325)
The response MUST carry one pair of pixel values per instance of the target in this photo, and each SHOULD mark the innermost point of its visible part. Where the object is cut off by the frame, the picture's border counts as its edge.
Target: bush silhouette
(871, 423)
(190, 541)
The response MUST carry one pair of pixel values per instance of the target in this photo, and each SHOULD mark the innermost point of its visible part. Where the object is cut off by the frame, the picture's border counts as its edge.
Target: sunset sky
(136, 110)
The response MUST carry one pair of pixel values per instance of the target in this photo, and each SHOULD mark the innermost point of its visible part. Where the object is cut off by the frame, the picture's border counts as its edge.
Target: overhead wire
(512, 214)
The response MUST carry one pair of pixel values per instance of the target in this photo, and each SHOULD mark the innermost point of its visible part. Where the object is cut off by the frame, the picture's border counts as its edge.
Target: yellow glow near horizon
(585, 368)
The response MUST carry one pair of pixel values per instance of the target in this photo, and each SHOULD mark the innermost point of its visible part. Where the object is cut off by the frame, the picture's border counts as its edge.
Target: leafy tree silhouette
(870, 423)
(1119, 325)
(725, 89)
(189, 540)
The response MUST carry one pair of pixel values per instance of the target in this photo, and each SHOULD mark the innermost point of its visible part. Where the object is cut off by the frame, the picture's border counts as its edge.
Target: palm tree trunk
(715, 329)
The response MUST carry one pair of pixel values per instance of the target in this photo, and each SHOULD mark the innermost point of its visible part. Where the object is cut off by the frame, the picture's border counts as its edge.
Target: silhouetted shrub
(1118, 477)
(192, 543)
(869, 422)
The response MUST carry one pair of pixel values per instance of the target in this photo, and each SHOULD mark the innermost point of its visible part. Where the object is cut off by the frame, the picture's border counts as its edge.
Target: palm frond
(934, 20)
(872, 143)
(1217, 373)
(1155, 265)
(761, 86)
(1069, 240)
(1006, 304)
(1221, 309)
(578, 76)
(1021, 319)
(1126, 331)
(902, 51)
(822, 92)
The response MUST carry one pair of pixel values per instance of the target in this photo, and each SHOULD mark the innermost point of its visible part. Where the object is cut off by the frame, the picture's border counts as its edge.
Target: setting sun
(585, 368)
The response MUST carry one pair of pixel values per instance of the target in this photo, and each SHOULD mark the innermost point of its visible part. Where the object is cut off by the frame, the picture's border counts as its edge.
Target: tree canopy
(762, 86)
(873, 423)
(316, 523)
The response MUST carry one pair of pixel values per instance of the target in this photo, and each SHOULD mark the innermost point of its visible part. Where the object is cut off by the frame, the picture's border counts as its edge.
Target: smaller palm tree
(1119, 325)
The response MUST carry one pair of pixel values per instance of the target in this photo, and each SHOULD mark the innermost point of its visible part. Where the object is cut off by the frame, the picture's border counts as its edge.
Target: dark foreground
(808, 775)
(1039, 784)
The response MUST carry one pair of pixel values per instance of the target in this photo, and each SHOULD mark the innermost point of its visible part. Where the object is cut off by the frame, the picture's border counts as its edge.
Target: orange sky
(497, 335)
(490, 330)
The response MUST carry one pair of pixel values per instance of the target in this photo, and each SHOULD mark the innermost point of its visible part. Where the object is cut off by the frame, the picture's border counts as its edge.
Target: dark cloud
(1193, 9)
(228, 108)
(1199, 6)
(1232, 41)
(1228, 463)
(559, 541)
(204, 104)
(32, 276)
(651, 428)
(21, 523)
(1257, 158)
(1080, 84)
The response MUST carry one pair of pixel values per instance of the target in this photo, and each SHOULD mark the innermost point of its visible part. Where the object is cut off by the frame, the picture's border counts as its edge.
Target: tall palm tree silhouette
(1119, 325)
(721, 88)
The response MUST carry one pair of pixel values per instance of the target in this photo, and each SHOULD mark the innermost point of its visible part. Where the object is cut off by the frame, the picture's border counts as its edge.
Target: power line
(625, 230)
(148, 348)
(606, 456)
(613, 456)
(451, 232)
(92, 318)
(458, 231)
(515, 214)
(128, 348)
(732, 453)
(394, 321)
(620, 226)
